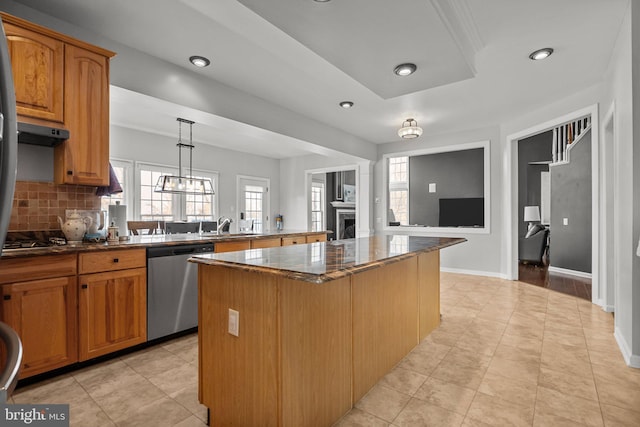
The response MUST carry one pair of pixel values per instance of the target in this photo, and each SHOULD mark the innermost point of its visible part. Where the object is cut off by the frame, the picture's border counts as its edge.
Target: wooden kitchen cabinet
(316, 238)
(232, 246)
(63, 82)
(37, 62)
(39, 301)
(299, 240)
(265, 243)
(112, 303)
(84, 157)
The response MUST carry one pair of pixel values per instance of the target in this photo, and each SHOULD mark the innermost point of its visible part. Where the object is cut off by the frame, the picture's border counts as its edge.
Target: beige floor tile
(523, 370)
(462, 375)
(625, 376)
(105, 377)
(526, 330)
(162, 412)
(576, 409)
(530, 345)
(192, 421)
(565, 339)
(508, 352)
(470, 422)
(510, 389)
(188, 397)
(88, 413)
(126, 400)
(617, 393)
(610, 358)
(464, 357)
(446, 395)
(497, 412)
(359, 418)
(565, 358)
(615, 416)
(383, 402)
(484, 344)
(153, 361)
(449, 339)
(403, 380)
(420, 413)
(575, 385)
(175, 379)
(543, 419)
(63, 389)
(420, 363)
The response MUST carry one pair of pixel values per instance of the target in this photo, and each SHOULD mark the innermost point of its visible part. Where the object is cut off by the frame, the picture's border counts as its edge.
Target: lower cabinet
(39, 301)
(43, 313)
(112, 307)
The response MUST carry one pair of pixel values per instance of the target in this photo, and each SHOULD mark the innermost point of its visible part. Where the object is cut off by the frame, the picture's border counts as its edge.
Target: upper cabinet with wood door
(84, 157)
(37, 62)
(63, 82)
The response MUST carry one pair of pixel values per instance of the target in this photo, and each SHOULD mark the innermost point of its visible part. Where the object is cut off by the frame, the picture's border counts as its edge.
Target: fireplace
(345, 223)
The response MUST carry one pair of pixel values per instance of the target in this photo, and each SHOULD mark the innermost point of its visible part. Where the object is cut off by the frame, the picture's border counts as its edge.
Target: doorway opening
(514, 217)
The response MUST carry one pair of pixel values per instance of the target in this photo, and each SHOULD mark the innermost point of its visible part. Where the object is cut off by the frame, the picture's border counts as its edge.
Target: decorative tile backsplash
(37, 205)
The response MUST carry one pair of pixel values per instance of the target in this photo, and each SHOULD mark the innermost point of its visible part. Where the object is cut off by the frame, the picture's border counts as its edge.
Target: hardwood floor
(539, 275)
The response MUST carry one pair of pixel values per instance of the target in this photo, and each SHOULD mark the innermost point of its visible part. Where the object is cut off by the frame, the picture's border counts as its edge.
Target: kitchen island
(317, 325)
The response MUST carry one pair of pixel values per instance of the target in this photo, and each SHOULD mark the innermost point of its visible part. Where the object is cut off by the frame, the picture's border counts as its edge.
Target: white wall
(619, 91)
(482, 253)
(129, 144)
(294, 183)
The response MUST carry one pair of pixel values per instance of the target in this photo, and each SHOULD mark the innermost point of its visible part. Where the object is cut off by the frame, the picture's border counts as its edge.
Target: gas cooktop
(31, 244)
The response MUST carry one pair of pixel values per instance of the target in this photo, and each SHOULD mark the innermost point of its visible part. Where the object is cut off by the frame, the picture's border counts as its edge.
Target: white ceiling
(472, 56)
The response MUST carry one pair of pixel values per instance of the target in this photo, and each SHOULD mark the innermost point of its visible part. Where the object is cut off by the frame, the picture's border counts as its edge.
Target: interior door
(253, 202)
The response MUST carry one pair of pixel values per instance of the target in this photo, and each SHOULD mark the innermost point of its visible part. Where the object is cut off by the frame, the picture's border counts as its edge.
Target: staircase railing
(565, 135)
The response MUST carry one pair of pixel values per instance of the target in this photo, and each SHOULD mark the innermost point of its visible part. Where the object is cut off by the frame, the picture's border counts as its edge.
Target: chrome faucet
(222, 222)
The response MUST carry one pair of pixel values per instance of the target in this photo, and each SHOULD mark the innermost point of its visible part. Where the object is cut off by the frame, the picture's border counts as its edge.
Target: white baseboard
(566, 271)
(633, 360)
(473, 272)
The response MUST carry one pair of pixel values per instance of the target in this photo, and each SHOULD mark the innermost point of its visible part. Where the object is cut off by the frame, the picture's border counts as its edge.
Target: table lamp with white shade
(531, 215)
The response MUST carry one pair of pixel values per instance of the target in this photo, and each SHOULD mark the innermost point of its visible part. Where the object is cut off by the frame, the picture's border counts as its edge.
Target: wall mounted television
(462, 212)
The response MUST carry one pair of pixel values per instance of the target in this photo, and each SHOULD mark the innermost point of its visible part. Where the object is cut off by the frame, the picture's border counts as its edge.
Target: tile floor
(506, 354)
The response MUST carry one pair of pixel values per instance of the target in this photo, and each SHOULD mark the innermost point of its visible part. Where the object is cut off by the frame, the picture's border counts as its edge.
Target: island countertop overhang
(327, 261)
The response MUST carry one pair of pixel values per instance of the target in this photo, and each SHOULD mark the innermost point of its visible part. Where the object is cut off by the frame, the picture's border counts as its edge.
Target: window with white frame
(399, 189)
(317, 206)
(124, 173)
(169, 206)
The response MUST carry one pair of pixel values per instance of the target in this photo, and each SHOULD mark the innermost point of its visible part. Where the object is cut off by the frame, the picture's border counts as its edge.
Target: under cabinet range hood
(41, 135)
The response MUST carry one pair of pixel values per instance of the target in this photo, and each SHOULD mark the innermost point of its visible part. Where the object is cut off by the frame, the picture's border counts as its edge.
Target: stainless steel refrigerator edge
(8, 137)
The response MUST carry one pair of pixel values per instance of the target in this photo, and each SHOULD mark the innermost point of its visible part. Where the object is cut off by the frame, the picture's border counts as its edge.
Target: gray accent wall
(457, 174)
(570, 245)
(533, 149)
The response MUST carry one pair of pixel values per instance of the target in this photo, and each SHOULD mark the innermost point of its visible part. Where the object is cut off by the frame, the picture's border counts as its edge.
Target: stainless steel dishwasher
(172, 289)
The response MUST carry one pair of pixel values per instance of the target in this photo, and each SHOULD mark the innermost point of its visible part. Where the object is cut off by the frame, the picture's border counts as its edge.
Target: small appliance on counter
(118, 217)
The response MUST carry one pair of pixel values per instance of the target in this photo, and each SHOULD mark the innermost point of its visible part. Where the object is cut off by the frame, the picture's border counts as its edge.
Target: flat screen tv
(464, 212)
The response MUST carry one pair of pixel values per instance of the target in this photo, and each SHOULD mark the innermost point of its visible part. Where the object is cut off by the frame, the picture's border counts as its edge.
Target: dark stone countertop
(153, 240)
(325, 261)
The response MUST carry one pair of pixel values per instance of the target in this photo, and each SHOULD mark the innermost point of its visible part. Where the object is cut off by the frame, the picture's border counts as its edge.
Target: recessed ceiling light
(541, 54)
(199, 61)
(321, 1)
(346, 104)
(405, 69)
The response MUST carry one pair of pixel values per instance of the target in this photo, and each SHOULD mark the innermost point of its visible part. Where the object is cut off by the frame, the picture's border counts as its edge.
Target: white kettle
(74, 227)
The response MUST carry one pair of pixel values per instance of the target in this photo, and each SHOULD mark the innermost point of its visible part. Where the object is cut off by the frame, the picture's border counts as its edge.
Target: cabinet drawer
(317, 238)
(265, 243)
(232, 246)
(111, 260)
(293, 240)
(39, 267)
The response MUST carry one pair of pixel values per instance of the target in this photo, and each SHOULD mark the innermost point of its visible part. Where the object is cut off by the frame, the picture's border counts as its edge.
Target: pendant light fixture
(184, 184)
(410, 129)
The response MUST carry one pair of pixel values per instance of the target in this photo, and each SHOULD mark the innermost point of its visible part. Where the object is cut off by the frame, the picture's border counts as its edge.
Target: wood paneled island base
(313, 339)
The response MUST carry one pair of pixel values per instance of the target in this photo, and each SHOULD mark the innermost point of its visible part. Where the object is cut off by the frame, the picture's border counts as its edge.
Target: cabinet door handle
(84, 286)
(6, 297)
(116, 260)
(69, 172)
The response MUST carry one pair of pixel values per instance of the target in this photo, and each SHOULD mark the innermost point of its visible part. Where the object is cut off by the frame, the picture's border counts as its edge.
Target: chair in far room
(137, 228)
(532, 247)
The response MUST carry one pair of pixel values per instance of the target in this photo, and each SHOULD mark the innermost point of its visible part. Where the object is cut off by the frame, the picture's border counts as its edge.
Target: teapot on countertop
(74, 227)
